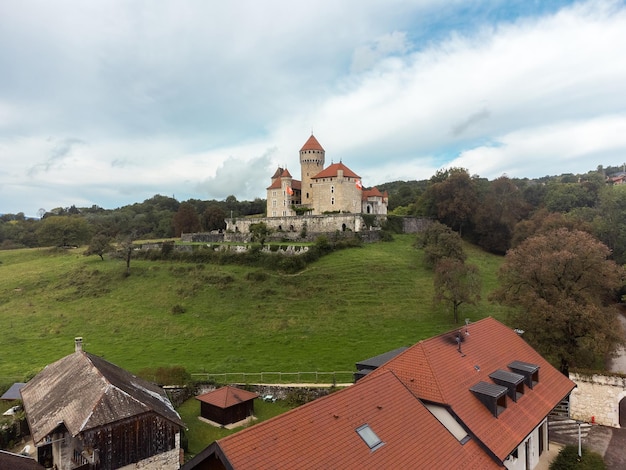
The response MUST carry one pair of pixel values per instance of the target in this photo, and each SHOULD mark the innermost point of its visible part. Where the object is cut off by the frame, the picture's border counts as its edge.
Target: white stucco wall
(519, 463)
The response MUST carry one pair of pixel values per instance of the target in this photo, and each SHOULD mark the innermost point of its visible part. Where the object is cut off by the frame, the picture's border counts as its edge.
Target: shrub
(178, 309)
(568, 459)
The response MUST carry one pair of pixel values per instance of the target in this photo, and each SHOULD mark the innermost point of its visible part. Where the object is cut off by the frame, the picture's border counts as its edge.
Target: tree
(456, 283)
(500, 209)
(564, 287)
(440, 241)
(451, 197)
(99, 245)
(213, 218)
(63, 231)
(260, 232)
(186, 220)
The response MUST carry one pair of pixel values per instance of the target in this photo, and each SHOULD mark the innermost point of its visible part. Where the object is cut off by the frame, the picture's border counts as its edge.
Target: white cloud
(110, 102)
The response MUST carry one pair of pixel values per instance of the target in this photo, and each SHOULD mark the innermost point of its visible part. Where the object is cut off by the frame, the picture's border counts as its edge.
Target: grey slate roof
(12, 461)
(13, 393)
(377, 361)
(83, 391)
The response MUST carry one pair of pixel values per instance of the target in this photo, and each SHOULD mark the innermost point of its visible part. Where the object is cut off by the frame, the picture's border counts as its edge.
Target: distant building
(334, 189)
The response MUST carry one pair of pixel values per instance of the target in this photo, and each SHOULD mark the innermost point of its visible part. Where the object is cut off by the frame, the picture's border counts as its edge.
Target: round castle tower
(311, 163)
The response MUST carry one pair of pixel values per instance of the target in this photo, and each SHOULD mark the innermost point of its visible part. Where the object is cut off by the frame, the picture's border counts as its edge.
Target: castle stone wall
(327, 223)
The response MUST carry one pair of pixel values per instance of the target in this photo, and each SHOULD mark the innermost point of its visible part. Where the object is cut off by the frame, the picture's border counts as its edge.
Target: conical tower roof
(312, 144)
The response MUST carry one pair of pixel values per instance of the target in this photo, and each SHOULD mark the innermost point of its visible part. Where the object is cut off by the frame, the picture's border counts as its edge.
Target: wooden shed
(227, 405)
(87, 411)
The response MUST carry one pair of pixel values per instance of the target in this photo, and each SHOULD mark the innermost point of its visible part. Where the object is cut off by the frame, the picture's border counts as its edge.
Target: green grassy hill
(347, 306)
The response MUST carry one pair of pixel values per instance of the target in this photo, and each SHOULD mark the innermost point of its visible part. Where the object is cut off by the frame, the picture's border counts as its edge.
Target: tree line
(155, 218)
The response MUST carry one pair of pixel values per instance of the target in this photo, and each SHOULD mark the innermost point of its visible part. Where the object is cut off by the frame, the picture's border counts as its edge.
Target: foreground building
(86, 413)
(474, 398)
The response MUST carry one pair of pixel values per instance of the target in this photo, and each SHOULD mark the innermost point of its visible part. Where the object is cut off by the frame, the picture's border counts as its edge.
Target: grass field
(350, 305)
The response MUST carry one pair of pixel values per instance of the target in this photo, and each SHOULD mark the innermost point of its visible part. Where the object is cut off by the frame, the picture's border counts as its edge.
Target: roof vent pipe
(78, 343)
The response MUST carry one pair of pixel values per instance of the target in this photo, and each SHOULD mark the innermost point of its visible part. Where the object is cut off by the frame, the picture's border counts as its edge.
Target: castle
(334, 189)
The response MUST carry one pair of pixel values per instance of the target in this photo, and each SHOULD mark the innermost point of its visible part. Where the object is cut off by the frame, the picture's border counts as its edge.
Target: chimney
(78, 343)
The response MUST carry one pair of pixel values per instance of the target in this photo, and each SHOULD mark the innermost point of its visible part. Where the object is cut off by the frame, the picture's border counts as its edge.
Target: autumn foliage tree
(563, 287)
(186, 220)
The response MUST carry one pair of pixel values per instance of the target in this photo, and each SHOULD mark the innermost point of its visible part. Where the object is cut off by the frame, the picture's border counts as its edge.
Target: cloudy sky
(110, 102)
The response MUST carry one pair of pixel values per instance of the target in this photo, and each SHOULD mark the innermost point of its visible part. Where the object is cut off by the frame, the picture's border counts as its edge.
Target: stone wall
(596, 398)
(327, 223)
(170, 460)
(415, 224)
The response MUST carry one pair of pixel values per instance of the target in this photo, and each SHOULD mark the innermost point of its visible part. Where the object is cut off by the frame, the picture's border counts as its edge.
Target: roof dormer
(512, 381)
(491, 395)
(529, 371)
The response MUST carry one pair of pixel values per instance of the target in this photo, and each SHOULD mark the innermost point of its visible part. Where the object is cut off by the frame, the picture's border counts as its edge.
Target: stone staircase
(565, 430)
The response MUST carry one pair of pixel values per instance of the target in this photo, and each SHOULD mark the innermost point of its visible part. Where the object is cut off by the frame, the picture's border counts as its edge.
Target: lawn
(347, 306)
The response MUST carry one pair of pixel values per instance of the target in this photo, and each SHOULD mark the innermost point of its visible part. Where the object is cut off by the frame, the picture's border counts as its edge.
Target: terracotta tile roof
(322, 434)
(332, 170)
(226, 397)
(312, 144)
(374, 192)
(277, 173)
(283, 173)
(84, 391)
(436, 371)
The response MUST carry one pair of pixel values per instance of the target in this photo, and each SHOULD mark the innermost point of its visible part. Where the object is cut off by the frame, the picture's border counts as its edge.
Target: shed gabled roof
(332, 170)
(226, 397)
(323, 434)
(83, 391)
(12, 461)
(312, 144)
(435, 370)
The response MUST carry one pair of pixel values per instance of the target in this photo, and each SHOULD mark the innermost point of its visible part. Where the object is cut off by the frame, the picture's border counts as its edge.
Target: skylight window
(369, 437)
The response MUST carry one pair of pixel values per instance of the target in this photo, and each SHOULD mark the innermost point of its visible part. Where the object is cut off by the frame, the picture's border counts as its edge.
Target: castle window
(332, 200)
(332, 189)
(273, 202)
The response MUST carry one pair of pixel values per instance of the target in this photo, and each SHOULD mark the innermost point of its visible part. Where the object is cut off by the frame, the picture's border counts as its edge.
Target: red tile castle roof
(312, 144)
(332, 171)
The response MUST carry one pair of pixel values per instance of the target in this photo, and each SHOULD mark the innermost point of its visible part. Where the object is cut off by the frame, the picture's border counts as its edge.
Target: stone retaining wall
(597, 397)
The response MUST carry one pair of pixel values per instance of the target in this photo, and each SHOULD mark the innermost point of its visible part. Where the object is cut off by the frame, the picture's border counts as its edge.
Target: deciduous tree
(440, 241)
(186, 220)
(563, 286)
(99, 245)
(63, 231)
(456, 283)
